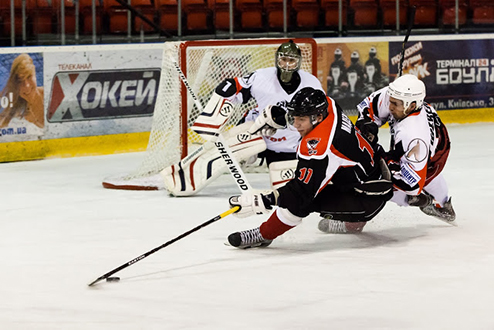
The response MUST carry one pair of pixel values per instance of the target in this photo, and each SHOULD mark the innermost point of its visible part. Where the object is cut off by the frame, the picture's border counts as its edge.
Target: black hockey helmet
(288, 60)
(308, 102)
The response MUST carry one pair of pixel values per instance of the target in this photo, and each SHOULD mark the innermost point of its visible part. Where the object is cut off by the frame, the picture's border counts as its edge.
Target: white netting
(207, 64)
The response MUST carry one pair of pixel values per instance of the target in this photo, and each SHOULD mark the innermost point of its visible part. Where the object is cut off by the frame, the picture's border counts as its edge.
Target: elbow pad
(227, 88)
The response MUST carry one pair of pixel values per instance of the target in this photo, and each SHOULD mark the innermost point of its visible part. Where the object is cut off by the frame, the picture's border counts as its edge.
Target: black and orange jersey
(334, 152)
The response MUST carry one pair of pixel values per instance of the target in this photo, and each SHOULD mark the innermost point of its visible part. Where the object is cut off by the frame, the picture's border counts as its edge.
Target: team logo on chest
(312, 145)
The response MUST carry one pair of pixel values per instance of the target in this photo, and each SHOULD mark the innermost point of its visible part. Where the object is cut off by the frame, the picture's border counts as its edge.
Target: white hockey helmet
(408, 88)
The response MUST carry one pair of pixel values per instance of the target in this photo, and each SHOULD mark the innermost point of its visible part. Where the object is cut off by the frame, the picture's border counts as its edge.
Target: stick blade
(96, 281)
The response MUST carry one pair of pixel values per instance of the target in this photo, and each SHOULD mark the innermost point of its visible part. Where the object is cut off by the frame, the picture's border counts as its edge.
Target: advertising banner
(101, 92)
(351, 71)
(458, 74)
(21, 97)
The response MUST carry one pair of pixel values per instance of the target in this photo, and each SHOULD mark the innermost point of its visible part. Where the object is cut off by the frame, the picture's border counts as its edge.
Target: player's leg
(347, 212)
(280, 221)
(204, 165)
(441, 207)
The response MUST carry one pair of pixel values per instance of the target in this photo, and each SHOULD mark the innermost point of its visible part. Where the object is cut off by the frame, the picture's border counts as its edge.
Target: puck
(113, 279)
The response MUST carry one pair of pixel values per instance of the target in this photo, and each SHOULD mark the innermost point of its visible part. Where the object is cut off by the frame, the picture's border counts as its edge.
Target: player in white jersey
(419, 148)
(274, 86)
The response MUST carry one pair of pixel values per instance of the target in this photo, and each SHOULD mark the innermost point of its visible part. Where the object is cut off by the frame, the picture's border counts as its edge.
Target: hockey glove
(379, 187)
(269, 120)
(369, 130)
(254, 203)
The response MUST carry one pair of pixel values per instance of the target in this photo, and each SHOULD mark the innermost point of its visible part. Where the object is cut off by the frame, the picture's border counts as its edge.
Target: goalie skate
(152, 182)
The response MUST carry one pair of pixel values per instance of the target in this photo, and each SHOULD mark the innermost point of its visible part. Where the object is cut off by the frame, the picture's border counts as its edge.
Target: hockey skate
(421, 200)
(331, 226)
(446, 213)
(248, 239)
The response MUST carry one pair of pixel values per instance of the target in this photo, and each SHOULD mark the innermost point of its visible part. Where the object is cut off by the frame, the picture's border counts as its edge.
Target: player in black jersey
(338, 175)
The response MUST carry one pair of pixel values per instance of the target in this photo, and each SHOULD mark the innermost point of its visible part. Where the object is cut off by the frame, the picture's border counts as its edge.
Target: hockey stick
(411, 18)
(232, 164)
(143, 17)
(156, 249)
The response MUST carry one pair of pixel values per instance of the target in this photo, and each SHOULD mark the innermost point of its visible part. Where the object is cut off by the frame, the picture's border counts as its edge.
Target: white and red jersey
(263, 85)
(419, 142)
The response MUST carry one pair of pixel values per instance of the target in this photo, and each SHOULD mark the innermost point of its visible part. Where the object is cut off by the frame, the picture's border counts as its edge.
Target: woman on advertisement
(25, 98)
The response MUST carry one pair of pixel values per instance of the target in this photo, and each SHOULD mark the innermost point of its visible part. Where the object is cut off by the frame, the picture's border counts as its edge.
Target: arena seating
(197, 15)
(388, 9)
(167, 11)
(70, 19)
(6, 20)
(426, 13)
(306, 13)
(448, 12)
(147, 8)
(331, 15)
(42, 13)
(250, 14)
(274, 14)
(117, 16)
(365, 13)
(220, 10)
(482, 12)
(206, 16)
(85, 9)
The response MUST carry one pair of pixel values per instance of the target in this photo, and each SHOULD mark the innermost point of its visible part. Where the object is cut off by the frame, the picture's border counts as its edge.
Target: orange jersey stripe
(319, 136)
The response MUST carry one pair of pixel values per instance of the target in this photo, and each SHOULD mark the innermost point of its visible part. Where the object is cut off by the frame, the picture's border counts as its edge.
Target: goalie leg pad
(281, 172)
(213, 118)
(203, 166)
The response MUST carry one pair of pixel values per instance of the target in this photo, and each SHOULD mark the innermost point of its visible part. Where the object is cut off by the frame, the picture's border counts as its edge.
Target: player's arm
(294, 198)
(270, 119)
(220, 106)
(408, 167)
(237, 89)
(368, 121)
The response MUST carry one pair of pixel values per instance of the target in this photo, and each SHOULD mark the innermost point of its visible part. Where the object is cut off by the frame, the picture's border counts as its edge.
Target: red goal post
(205, 64)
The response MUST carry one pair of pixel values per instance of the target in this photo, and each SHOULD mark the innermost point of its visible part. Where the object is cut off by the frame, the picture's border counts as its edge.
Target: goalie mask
(308, 102)
(288, 60)
(408, 88)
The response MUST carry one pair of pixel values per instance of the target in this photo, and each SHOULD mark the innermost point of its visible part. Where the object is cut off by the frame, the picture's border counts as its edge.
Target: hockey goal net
(205, 65)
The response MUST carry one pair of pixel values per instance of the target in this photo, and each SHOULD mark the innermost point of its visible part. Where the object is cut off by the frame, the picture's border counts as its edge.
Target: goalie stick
(232, 164)
(156, 249)
(411, 18)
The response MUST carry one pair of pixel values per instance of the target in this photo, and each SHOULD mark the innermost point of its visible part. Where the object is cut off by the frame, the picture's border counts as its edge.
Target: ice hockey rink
(61, 230)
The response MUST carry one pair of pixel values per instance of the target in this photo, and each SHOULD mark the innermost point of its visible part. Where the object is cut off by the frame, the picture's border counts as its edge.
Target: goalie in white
(269, 86)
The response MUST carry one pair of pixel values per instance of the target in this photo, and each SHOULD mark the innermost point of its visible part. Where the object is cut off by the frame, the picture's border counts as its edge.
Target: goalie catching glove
(254, 203)
(269, 120)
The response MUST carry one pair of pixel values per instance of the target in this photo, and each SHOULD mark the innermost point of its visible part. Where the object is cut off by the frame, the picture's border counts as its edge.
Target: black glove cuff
(278, 114)
(269, 200)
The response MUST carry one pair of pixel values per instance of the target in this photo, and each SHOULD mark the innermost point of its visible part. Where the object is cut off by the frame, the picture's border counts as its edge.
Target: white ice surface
(60, 230)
